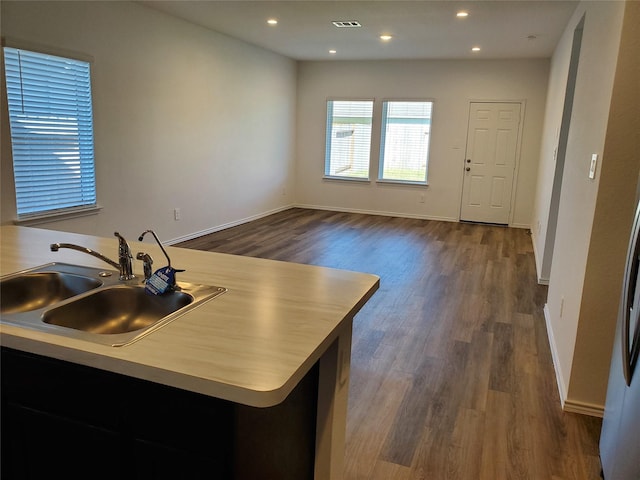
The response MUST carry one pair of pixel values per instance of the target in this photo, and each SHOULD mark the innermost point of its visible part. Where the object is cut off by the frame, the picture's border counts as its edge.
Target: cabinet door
(155, 461)
(180, 435)
(43, 444)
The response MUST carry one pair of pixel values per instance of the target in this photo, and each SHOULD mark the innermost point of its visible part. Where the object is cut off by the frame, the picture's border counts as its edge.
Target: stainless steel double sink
(92, 303)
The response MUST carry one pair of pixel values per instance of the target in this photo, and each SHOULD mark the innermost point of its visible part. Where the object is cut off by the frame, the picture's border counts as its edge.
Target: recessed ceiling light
(475, 49)
(385, 38)
(332, 52)
(462, 14)
(272, 21)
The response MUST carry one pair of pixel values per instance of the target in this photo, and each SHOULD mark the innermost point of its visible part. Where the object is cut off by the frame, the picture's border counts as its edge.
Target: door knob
(468, 169)
(468, 160)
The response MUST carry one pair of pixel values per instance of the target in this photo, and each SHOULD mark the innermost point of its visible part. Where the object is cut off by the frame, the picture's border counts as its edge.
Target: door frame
(516, 167)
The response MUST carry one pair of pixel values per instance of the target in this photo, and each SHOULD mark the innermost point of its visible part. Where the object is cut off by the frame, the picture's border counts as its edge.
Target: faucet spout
(157, 241)
(57, 246)
(124, 265)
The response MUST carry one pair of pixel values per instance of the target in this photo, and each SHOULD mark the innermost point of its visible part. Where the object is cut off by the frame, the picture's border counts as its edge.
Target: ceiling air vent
(347, 24)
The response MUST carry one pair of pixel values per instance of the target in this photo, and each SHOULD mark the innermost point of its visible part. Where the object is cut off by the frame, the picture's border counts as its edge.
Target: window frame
(56, 213)
(383, 125)
(328, 130)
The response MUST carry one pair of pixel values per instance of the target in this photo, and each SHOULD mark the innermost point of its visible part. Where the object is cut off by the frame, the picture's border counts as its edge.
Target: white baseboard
(568, 405)
(583, 408)
(520, 225)
(562, 389)
(224, 226)
(538, 260)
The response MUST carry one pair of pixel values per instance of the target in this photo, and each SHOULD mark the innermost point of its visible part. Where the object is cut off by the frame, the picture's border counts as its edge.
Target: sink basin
(116, 310)
(31, 291)
(92, 304)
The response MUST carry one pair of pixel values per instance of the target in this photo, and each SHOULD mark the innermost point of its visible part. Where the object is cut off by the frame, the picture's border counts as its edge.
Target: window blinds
(50, 113)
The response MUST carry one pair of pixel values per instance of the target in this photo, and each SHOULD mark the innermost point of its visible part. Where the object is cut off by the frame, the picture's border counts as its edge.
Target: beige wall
(593, 215)
(451, 85)
(612, 217)
(183, 117)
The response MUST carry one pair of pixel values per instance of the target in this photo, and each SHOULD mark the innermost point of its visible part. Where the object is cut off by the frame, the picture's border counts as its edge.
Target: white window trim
(14, 42)
(373, 113)
(51, 215)
(379, 178)
(416, 183)
(346, 179)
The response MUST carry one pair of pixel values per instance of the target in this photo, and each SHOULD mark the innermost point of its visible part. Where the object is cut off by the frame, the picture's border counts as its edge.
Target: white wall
(188, 118)
(542, 216)
(452, 85)
(183, 117)
(581, 308)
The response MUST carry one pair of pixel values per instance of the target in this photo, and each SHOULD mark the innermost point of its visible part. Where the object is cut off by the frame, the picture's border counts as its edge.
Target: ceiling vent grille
(347, 23)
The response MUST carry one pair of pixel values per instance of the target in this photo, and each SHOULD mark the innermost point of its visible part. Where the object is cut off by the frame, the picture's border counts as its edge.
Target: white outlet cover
(592, 167)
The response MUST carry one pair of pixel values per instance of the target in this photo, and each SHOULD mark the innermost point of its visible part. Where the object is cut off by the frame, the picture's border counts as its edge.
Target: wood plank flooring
(451, 374)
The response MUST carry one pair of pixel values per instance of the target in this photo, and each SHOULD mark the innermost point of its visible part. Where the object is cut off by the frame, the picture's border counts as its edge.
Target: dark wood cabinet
(41, 443)
(71, 421)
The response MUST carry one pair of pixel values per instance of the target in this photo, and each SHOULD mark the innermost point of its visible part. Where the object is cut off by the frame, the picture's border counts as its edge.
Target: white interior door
(492, 146)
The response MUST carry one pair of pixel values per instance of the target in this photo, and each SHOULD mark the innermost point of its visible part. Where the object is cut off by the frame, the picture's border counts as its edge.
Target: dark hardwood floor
(451, 374)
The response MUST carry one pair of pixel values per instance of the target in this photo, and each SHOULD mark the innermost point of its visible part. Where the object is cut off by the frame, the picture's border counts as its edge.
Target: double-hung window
(50, 113)
(404, 141)
(348, 139)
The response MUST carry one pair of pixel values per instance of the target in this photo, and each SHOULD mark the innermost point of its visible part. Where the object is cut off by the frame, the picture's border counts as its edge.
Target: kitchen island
(258, 376)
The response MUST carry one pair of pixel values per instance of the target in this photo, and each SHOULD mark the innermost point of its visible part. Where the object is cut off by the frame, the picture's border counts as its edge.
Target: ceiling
(421, 29)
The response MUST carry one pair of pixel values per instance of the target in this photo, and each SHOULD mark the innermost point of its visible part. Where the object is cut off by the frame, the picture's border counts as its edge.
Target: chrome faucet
(123, 265)
(157, 241)
(125, 258)
(148, 261)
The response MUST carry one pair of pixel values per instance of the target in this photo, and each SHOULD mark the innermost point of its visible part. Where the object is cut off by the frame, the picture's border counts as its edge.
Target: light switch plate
(592, 168)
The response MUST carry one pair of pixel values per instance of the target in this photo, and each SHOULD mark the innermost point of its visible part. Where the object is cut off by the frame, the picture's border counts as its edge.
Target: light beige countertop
(251, 345)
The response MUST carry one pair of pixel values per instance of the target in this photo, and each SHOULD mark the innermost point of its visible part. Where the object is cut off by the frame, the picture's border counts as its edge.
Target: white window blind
(348, 140)
(404, 142)
(51, 121)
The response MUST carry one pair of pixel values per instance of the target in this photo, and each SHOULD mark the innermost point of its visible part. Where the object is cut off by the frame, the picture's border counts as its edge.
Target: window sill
(346, 179)
(404, 182)
(58, 216)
